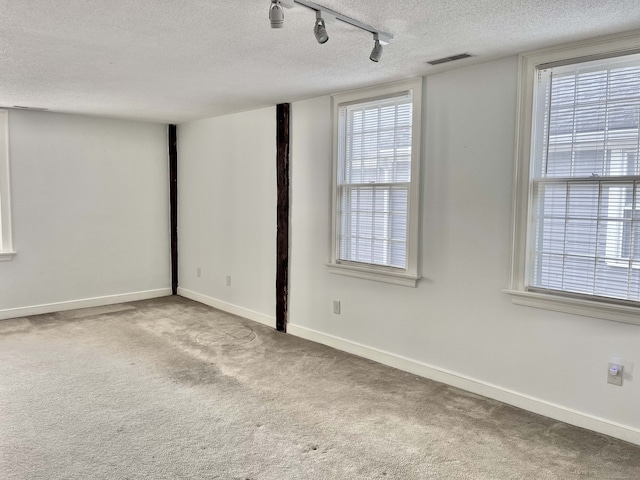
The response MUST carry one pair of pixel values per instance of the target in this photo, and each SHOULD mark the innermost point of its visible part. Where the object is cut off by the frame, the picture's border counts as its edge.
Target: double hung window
(377, 146)
(585, 180)
(580, 166)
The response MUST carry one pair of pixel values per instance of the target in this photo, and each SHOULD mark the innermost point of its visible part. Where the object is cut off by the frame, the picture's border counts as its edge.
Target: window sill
(7, 256)
(576, 306)
(385, 276)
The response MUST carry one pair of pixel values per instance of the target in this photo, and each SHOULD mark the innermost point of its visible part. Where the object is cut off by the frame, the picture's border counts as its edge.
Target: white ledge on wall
(386, 276)
(6, 256)
(576, 306)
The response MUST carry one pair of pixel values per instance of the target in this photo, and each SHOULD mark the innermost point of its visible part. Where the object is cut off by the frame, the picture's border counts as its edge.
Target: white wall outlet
(228, 280)
(199, 272)
(614, 374)
(336, 307)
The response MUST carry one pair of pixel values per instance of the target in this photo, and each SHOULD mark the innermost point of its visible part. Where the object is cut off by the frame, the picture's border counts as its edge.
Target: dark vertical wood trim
(282, 241)
(173, 199)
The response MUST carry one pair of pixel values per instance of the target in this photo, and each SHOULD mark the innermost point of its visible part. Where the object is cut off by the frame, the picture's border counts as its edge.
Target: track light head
(376, 53)
(319, 30)
(276, 14)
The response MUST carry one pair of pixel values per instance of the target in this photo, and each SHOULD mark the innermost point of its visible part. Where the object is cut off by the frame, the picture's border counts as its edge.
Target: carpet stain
(226, 335)
(14, 326)
(198, 375)
(94, 311)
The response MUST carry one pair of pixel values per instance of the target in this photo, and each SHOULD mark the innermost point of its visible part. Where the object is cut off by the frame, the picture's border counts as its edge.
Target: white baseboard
(83, 303)
(228, 307)
(551, 410)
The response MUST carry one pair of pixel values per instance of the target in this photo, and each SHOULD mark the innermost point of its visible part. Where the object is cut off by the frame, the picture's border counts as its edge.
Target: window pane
(591, 123)
(375, 141)
(374, 172)
(580, 237)
(583, 200)
(578, 275)
(611, 280)
(374, 227)
(553, 199)
(559, 161)
(552, 236)
(586, 207)
(634, 282)
(549, 270)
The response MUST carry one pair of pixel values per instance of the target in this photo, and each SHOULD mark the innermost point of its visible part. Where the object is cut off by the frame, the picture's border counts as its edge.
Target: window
(577, 215)
(6, 247)
(376, 183)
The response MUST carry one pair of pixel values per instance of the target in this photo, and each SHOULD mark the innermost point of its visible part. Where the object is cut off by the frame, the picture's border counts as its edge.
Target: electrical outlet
(228, 280)
(614, 374)
(336, 307)
(199, 272)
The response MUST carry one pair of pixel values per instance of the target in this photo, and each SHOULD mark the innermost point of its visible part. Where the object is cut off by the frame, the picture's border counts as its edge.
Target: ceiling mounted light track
(276, 16)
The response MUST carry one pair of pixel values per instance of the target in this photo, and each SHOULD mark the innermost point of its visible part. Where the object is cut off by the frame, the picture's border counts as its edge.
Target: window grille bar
(595, 258)
(588, 180)
(564, 257)
(631, 238)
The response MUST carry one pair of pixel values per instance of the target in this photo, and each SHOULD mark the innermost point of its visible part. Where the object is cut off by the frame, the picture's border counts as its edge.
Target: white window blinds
(585, 180)
(373, 181)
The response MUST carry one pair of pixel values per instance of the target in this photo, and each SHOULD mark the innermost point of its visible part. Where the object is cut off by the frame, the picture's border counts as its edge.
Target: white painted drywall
(90, 209)
(457, 319)
(227, 209)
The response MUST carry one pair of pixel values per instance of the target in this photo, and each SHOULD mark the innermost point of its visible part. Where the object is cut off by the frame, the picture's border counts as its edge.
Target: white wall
(90, 210)
(457, 321)
(457, 325)
(227, 212)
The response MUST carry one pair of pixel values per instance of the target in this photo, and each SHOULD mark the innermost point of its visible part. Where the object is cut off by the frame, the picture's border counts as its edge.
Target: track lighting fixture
(276, 14)
(320, 31)
(376, 53)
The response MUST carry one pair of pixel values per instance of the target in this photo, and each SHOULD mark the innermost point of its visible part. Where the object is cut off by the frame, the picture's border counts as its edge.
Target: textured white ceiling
(178, 60)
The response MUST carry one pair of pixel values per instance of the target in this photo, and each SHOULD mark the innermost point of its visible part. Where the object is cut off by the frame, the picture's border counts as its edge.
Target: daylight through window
(585, 212)
(376, 183)
(374, 179)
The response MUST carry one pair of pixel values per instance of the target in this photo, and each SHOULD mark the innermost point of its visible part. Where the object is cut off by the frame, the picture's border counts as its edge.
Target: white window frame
(6, 239)
(593, 49)
(411, 274)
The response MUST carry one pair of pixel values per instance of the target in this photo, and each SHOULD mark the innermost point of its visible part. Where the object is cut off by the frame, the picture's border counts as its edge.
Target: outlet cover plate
(615, 379)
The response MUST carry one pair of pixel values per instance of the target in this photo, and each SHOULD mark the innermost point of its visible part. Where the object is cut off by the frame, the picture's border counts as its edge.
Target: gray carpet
(171, 389)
